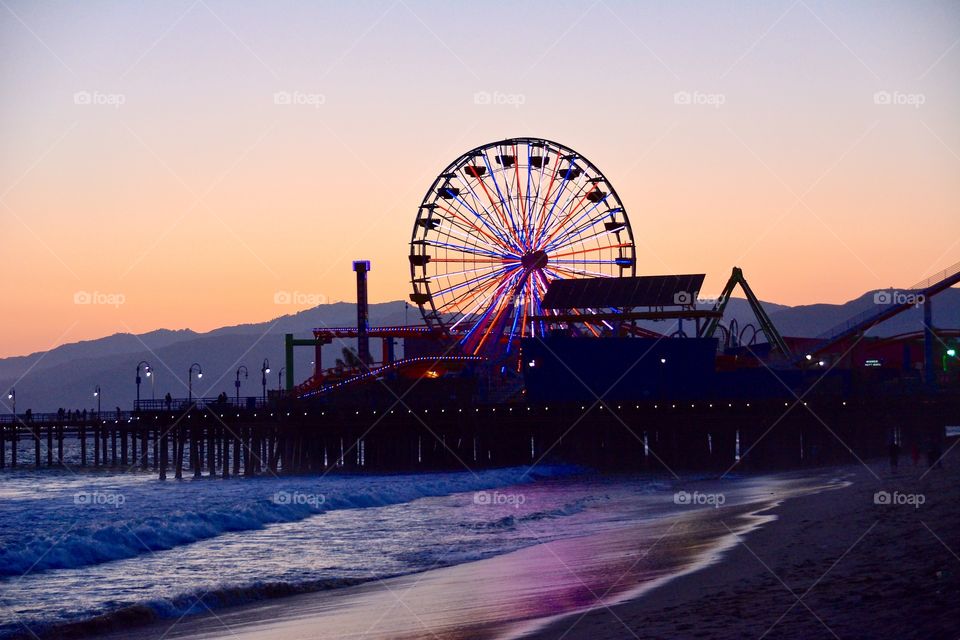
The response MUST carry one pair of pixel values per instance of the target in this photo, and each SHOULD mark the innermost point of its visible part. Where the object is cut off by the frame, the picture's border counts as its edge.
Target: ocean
(82, 551)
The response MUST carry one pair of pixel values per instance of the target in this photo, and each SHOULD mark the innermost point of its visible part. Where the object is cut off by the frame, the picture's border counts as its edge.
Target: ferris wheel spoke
(472, 226)
(500, 296)
(511, 225)
(481, 180)
(521, 205)
(449, 275)
(582, 272)
(541, 218)
(476, 280)
(557, 219)
(563, 223)
(587, 324)
(483, 286)
(527, 227)
(585, 262)
(471, 260)
(498, 224)
(502, 303)
(494, 223)
(577, 226)
(463, 249)
(503, 240)
(553, 257)
(561, 189)
(536, 304)
(456, 235)
(573, 238)
(516, 317)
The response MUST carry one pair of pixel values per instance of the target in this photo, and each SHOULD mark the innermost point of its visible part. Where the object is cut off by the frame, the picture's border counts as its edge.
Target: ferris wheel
(498, 225)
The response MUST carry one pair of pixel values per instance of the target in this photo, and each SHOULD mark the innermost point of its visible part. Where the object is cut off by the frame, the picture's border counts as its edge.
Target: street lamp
(96, 394)
(264, 370)
(246, 374)
(12, 396)
(949, 353)
(280, 379)
(149, 371)
(190, 379)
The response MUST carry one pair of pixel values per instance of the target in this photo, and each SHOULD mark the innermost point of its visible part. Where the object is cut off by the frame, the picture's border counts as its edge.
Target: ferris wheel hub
(534, 260)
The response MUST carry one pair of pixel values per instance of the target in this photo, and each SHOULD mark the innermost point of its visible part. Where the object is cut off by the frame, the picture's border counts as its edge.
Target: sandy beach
(832, 565)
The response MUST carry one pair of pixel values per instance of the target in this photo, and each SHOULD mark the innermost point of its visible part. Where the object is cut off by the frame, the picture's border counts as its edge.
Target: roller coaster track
(309, 389)
(890, 303)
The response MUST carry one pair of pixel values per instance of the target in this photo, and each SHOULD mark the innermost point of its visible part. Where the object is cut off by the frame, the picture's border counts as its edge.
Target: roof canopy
(626, 292)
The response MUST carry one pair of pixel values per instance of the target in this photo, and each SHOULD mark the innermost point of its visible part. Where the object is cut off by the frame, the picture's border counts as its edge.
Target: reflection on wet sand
(498, 597)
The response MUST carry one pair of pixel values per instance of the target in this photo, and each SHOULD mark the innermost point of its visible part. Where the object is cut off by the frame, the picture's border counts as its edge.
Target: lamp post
(246, 374)
(190, 379)
(950, 352)
(12, 396)
(96, 394)
(149, 371)
(264, 370)
(280, 380)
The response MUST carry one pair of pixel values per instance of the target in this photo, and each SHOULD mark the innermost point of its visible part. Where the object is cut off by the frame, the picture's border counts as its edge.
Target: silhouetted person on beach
(894, 456)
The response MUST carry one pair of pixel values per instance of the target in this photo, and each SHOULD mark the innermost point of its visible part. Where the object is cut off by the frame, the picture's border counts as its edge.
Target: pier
(208, 439)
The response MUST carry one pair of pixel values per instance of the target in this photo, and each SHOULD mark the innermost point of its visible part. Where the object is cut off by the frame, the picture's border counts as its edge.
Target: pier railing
(179, 404)
(245, 403)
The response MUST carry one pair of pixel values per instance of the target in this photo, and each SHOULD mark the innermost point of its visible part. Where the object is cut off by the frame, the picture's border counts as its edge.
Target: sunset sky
(144, 158)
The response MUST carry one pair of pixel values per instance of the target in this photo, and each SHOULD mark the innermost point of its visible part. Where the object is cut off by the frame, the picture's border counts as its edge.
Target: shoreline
(829, 564)
(723, 574)
(508, 595)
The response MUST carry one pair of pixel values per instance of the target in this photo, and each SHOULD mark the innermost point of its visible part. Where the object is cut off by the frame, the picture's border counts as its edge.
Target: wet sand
(500, 597)
(832, 565)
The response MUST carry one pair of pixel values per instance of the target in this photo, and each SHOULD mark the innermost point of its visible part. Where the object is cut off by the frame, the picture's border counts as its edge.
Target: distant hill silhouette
(66, 375)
